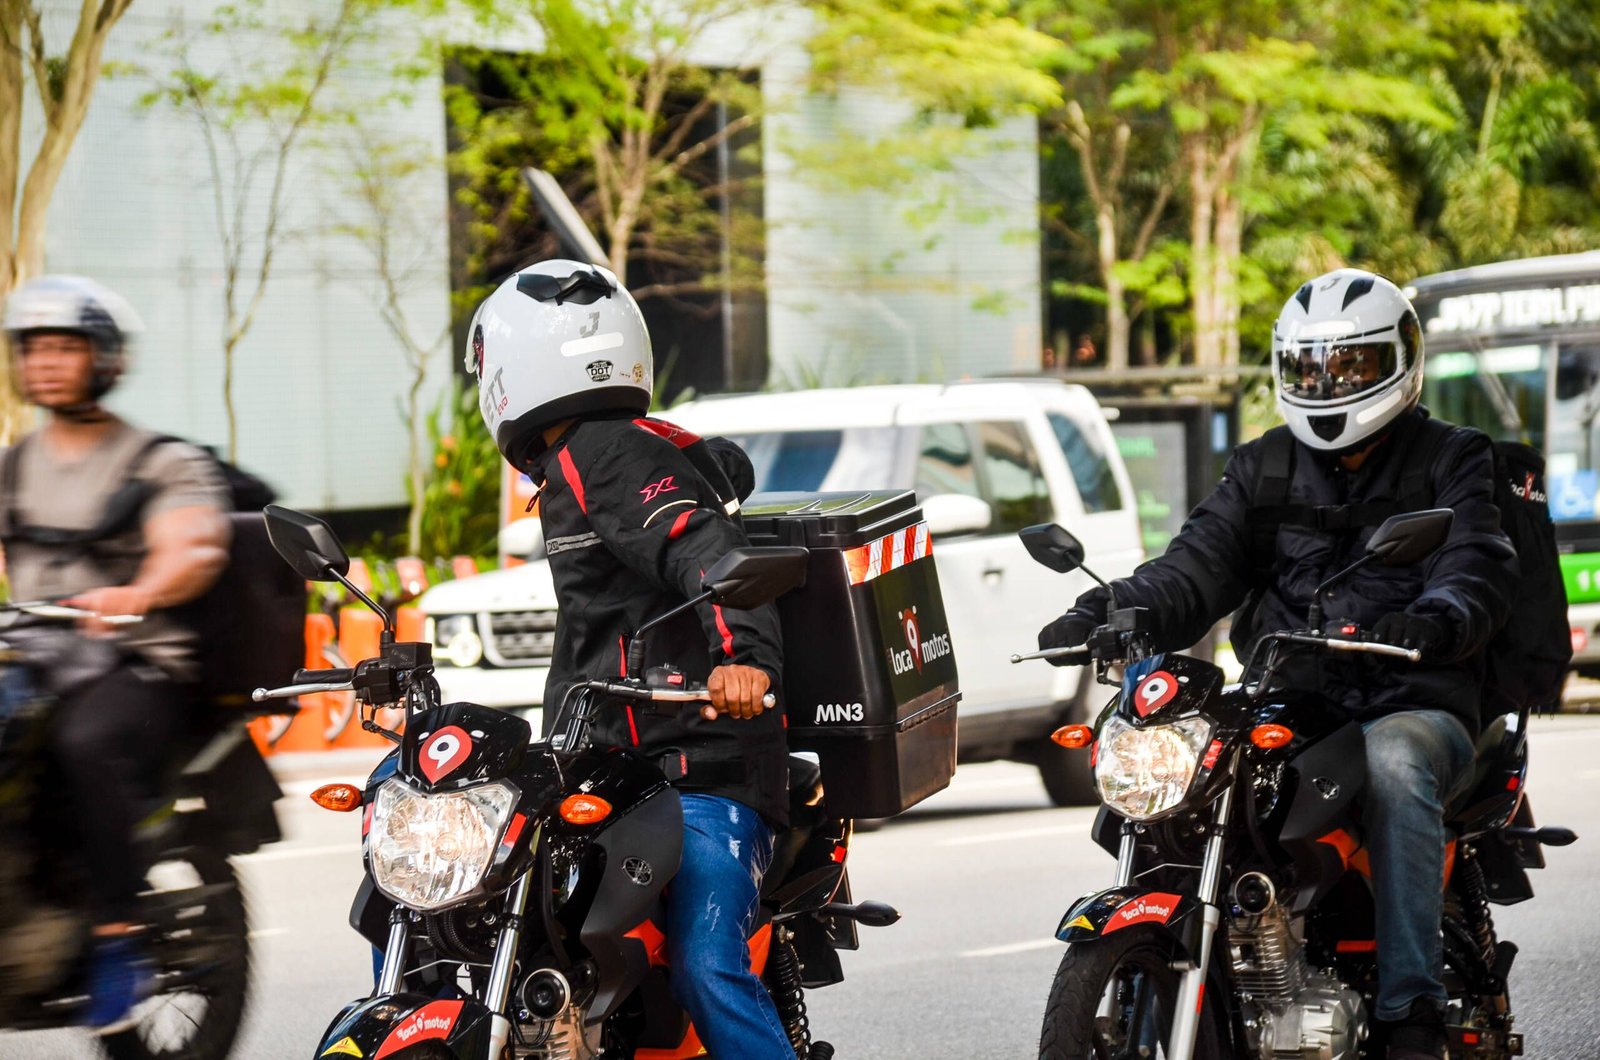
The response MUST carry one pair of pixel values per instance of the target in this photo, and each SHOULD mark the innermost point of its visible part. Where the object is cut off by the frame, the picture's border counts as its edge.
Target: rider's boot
(1421, 1035)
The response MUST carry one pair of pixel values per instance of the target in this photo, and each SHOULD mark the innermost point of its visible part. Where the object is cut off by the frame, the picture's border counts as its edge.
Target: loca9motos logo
(599, 371)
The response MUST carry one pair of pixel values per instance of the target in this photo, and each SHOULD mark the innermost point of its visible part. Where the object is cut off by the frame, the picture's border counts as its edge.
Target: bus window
(1500, 391)
(1572, 471)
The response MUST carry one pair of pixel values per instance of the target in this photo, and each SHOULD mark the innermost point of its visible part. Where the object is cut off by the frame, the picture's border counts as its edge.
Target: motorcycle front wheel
(1131, 972)
(201, 947)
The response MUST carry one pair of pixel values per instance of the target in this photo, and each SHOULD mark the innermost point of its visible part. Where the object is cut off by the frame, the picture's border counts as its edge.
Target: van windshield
(849, 458)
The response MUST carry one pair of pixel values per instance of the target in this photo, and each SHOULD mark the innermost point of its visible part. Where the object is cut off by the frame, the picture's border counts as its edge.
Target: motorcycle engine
(1291, 1011)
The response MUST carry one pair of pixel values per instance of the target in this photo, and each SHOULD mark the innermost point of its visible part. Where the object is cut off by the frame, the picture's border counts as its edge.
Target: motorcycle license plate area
(870, 681)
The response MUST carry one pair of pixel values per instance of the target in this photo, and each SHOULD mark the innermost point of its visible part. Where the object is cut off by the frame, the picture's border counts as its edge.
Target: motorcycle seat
(804, 775)
(1486, 764)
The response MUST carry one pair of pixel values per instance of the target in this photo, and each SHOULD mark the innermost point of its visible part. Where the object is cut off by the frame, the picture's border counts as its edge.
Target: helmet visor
(1332, 370)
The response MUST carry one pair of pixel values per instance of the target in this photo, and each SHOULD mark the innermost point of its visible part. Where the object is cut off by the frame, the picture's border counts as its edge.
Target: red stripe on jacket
(570, 470)
(727, 634)
(680, 524)
(670, 431)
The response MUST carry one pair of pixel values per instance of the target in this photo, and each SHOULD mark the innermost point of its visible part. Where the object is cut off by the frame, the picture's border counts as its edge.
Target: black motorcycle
(514, 885)
(192, 917)
(1241, 924)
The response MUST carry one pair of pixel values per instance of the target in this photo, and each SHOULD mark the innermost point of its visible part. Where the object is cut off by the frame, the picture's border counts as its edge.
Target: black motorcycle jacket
(1209, 571)
(630, 525)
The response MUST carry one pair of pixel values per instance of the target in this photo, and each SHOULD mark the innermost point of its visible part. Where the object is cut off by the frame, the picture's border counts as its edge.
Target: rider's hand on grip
(1068, 631)
(1425, 633)
(737, 690)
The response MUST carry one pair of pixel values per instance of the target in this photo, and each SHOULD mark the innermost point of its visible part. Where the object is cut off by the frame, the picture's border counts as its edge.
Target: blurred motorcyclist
(107, 517)
(631, 521)
(1347, 361)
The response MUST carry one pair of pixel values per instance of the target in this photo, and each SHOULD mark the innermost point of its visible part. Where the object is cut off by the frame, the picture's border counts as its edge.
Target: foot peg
(867, 914)
(1550, 837)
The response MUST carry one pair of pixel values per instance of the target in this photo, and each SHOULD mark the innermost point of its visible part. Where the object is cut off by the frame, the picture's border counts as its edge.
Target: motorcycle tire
(1087, 970)
(201, 947)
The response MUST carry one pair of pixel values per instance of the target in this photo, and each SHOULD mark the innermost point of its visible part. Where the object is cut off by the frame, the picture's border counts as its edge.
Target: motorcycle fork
(1125, 853)
(1191, 989)
(497, 993)
(394, 952)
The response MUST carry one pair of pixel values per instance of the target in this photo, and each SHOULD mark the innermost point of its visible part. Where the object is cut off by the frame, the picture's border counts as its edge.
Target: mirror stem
(388, 623)
(1314, 612)
(635, 658)
(1111, 604)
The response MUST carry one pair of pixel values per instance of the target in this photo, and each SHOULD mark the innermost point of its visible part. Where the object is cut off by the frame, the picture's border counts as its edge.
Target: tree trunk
(414, 457)
(1116, 292)
(1229, 249)
(1202, 277)
(11, 86)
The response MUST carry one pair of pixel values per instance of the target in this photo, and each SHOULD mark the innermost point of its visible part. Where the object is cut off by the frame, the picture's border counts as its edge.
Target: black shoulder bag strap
(1269, 501)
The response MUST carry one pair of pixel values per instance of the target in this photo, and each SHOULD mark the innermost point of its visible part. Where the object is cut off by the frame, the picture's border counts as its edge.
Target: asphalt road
(981, 873)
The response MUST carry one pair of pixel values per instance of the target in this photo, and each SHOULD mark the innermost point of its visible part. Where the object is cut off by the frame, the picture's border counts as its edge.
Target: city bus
(1514, 349)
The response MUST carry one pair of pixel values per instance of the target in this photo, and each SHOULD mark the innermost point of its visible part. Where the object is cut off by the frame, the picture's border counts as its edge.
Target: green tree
(62, 85)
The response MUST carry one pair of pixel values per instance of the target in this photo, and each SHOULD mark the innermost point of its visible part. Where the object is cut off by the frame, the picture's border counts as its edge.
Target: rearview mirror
(953, 514)
(1053, 546)
(749, 577)
(306, 543)
(1404, 539)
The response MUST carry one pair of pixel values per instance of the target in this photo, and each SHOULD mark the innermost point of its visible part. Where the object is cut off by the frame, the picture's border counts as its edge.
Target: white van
(985, 458)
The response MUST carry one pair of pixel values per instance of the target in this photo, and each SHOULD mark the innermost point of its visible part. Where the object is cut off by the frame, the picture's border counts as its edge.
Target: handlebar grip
(336, 675)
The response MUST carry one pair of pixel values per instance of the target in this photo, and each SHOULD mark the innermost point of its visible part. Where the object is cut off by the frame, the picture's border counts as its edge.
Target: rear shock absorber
(788, 994)
(1496, 957)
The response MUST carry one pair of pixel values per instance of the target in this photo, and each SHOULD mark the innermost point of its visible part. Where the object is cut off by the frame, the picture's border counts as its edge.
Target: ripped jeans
(711, 907)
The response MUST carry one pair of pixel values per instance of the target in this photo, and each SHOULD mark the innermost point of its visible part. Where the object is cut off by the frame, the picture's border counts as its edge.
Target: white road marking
(1015, 947)
(1004, 837)
(293, 853)
(1008, 782)
(269, 933)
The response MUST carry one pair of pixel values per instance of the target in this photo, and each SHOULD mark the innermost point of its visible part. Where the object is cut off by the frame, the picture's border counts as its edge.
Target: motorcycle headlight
(1143, 773)
(456, 641)
(429, 851)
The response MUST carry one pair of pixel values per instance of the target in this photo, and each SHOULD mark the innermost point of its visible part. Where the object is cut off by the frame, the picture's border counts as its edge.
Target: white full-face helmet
(79, 306)
(1347, 359)
(557, 340)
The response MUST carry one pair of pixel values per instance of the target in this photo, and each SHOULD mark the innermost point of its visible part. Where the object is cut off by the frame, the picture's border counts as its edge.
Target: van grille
(521, 638)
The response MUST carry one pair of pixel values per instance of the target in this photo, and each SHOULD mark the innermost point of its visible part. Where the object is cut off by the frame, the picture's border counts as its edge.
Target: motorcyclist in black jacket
(1347, 361)
(634, 511)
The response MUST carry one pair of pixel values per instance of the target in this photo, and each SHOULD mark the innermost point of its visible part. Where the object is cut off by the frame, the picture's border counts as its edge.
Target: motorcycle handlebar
(62, 611)
(336, 675)
(668, 695)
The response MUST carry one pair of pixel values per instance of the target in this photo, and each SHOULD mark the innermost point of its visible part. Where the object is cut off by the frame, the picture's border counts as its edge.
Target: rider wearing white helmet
(634, 510)
(1347, 360)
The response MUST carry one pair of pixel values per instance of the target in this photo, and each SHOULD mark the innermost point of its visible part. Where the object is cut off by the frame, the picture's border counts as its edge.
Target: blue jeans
(1417, 761)
(711, 907)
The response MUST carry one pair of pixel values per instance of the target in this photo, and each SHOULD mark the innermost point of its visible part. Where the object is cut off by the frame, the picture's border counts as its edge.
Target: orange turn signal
(1271, 737)
(1075, 737)
(584, 809)
(340, 798)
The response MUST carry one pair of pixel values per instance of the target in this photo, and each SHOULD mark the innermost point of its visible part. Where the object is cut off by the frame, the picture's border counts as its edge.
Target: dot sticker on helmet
(444, 751)
(1154, 692)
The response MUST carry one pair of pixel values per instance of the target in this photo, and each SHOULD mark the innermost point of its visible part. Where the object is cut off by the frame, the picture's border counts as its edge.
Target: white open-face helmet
(80, 306)
(557, 340)
(1347, 359)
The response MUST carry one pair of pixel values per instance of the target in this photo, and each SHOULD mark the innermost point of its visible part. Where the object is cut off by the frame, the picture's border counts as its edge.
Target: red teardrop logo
(1154, 692)
(445, 750)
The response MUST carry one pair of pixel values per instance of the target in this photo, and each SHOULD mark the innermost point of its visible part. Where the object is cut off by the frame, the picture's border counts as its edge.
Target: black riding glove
(1426, 633)
(1074, 627)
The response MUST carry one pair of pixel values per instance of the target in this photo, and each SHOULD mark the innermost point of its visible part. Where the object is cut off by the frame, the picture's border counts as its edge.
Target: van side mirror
(1053, 546)
(1405, 539)
(749, 577)
(954, 514)
(306, 543)
(522, 538)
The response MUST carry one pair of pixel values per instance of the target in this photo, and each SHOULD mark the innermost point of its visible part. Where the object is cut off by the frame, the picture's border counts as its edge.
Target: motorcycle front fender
(384, 1026)
(1103, 913)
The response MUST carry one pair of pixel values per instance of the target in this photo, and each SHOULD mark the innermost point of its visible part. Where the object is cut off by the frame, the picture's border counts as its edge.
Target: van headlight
(1143, 773)
(430, 851)
(455, 640)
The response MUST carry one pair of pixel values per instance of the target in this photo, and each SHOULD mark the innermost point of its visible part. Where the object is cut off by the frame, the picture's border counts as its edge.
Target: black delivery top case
(869, 670)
